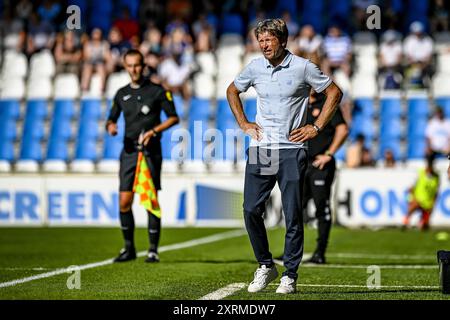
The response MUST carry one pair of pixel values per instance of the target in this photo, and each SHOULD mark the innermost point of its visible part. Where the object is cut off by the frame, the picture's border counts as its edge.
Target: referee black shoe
(126, 255)
(152, 257)
(317, 258)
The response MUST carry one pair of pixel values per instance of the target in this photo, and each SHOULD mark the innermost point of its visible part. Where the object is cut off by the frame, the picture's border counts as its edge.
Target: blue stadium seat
(90, 109)
(362, 125)
(57, 150)
(250, 109)
(416, 148)
(112, 146)
(37, 109)
(89, 129)
(100, 15)
(61, 129)
(33, 128)
(179, 105)
(444, 103)
(132, 5)
(340, 154)
(31, 149)
(10, 108)
(8, 129)
(287, 5)
(416, 128)
(167, 144)
(339, 10)
(223, 110)
(199, 110)
(64, 109)
(390, 128)
(418, 107)
(313, 14)
(86, 150)
(390, 108)
(232, 23)
(364, 106)
(6, 150)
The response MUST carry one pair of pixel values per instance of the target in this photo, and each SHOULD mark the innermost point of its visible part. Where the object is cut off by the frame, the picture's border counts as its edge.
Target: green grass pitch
(407, 259)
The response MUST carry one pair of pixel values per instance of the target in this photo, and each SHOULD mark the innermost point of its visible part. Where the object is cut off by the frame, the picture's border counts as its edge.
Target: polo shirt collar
(283, 63)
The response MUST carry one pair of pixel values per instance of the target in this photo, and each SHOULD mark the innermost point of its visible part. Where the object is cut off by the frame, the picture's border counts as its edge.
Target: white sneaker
(263, 276)
(287, 285)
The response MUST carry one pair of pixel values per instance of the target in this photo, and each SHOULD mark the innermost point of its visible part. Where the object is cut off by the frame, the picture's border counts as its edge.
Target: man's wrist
(316, 127)
(329, 153)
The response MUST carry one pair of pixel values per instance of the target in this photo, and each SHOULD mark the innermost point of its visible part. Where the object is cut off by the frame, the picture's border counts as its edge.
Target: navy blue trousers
(264, 168)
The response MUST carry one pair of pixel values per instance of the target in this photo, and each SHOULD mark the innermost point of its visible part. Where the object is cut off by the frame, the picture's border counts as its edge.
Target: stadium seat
(67, 86)
(89, 129)
(364, 106)
(207, 63)
(362, 125)
(132, 5)
(6, 150)
(390, 128)
(15, 65)
(57, 156)
(101, 13)
(39, 88)
(31, 149)
(33, 128)
(418, 107)
(116, 81)
(61, 129)
(439, 85)
(112, 147)
(393, 145)
(313, 14)
(223, 110)
(416, 127)
(204, 86)
(91, 109)
(86, 149)
(37, 109)
(42, 65)
(8, 129)
(10, 108)
(416, 148)
(179, 106)
(364, 86)
(231, 23)
(391, 107)
(64, 109)
(199, 110)
(12, 88)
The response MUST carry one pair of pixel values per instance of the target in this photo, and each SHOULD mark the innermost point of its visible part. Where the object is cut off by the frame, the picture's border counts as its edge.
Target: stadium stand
(48, 123)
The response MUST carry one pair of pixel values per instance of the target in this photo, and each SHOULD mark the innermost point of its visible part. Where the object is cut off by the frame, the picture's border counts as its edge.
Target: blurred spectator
(252, 45)
(337, 49)
(152, 41)
(68, 53)
(440, 16)
(174, 74)
(389, 160)
(23, 11)
(13, 31)
(49, 11)
(176, 24)
(178, 41)
(152, 62)
(117, 46)
(96, 57)
(260, 16)
(179, 8)
(390, 59)
(40, 35)
(437, 134)
(152, 11)
(292, 26)
(202, 23)
(204, 41)
(355, 152)
(366, 158)
(127, 26)
(309, 43)
(418, 50)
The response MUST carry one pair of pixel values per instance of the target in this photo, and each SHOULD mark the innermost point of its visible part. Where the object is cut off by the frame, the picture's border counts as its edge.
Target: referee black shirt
(321, 143)
(141, 108)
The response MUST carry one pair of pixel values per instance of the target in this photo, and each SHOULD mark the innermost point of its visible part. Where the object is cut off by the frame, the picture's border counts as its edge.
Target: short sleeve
(114, 113)
(316, 78)
(167, 104)
(245, 79)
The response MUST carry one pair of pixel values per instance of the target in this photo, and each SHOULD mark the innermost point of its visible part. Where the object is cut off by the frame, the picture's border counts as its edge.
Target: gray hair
(276, 27)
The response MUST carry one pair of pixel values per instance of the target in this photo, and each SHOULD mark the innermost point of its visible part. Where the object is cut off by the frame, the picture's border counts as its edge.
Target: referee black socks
(154, 231)
(127, 226)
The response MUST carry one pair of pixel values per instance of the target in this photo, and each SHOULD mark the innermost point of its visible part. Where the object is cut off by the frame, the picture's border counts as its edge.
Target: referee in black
(141, 102)
(321, 168)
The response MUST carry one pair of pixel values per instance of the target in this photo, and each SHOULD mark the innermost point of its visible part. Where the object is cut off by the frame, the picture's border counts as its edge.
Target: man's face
(270, 46)
(133, 65)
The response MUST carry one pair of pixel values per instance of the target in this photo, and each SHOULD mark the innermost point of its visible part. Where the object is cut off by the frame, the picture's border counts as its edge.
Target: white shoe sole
(251, 290)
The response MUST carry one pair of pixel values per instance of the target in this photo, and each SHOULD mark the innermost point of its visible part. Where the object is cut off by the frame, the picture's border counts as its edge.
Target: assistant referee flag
(143, 185)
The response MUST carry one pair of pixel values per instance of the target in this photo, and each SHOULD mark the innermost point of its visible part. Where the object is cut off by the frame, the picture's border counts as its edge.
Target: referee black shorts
(128, 163)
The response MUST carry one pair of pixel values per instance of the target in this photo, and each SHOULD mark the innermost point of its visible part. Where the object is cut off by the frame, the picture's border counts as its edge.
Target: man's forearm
(236, 105)
(171, 121)
(340, 135)
(330, 106)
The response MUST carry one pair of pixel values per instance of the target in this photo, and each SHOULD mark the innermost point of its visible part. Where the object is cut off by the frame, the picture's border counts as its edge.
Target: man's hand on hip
(303, 134)
(253, 130)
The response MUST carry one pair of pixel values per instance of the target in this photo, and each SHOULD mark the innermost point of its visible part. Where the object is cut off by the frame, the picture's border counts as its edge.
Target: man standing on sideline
(277, 148)
(141, 102)
(321, 169)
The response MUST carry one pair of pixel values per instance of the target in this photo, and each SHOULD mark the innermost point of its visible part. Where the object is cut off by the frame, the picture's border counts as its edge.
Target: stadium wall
(363, 197)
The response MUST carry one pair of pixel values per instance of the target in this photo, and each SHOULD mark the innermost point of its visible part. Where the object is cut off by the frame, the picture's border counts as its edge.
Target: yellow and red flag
(143, 185)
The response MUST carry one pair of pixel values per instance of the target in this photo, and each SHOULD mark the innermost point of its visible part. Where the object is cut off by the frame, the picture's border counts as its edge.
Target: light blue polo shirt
(282, 96)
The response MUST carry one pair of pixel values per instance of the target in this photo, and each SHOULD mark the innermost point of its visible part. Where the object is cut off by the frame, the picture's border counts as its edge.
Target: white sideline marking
(170, 247)
(380, 256)
(360, 266)
(360, 286)
(224, 292)
(21, 268)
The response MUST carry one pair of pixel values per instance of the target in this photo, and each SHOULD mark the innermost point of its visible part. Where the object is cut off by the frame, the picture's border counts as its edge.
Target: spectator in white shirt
(174, 74)
(437, 134)
(337, 48)
(309, 43)
(390, 59)
(418, 50)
